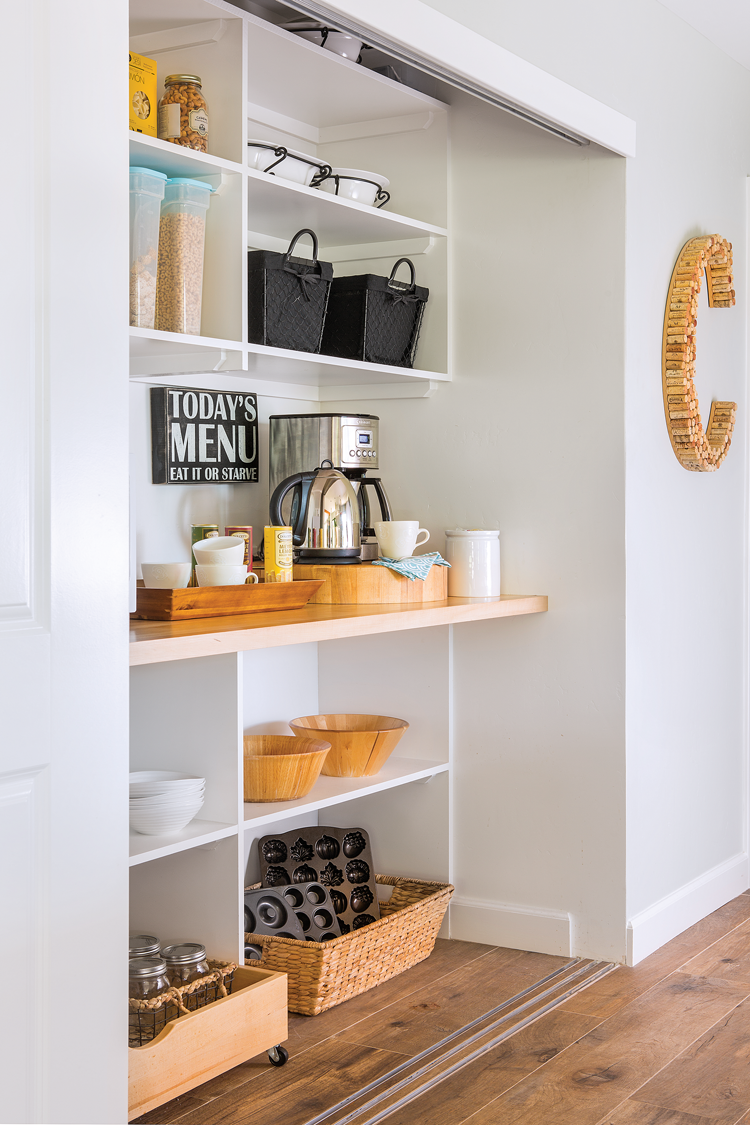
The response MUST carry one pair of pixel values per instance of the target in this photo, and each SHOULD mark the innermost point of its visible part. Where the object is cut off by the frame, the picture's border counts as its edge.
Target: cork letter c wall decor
(697, 450)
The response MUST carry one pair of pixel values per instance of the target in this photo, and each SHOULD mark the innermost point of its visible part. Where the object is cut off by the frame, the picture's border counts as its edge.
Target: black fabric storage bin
(375, 319)
(287, 298)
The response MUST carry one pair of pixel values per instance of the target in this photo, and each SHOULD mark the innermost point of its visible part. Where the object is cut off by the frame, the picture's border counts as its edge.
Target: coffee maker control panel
(358, 447)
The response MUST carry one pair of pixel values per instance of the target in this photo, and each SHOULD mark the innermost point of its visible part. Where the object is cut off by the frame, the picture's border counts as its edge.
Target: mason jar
(183, 112)
(186, 962)
(147, 980)
(144, 945)
(148, 977)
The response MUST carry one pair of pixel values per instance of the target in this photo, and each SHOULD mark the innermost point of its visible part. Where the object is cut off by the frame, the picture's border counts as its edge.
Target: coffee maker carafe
(299, 442)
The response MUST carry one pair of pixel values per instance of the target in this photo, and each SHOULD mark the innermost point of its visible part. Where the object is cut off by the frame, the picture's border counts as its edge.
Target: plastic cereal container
(146, 194)
(181, 241)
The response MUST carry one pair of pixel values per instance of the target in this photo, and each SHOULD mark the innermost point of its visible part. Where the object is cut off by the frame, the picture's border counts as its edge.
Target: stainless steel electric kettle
(324, 516)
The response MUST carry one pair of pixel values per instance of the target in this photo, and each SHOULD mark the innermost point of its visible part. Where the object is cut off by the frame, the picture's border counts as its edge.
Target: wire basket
(375, 319)
(287, 297)
(146, 1018)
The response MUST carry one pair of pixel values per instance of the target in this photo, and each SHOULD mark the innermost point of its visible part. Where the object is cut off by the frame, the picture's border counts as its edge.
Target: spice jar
(144, 945)
(179, 278)
(186, 962)
(183, 112)
(148, 977)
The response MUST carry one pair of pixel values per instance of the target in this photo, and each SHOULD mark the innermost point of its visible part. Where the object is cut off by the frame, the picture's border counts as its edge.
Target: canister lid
(192, 183)
(185, 953)
(172, 78)
(148, 172)
(144, 945)
(147, 966)
(476, 532)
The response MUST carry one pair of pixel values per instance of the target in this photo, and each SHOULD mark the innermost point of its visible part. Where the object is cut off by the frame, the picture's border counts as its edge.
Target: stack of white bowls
(163, 802)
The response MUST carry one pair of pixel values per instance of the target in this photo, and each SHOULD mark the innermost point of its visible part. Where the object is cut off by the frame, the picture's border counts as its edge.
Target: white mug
(222, 550)
(221, 575)
(398, 538)
(166, 576)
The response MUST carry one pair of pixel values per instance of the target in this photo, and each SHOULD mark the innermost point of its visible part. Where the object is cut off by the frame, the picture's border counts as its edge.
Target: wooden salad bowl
(360, 744)
(280, 767)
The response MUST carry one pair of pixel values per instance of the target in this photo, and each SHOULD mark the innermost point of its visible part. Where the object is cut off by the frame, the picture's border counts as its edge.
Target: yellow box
(143, 104)
(278, 554)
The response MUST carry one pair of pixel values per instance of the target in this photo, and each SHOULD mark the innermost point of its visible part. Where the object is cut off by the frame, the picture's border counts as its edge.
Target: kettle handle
(305, 480)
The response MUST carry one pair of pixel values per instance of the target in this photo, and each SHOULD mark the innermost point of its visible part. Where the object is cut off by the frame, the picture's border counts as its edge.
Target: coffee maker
(299, 443)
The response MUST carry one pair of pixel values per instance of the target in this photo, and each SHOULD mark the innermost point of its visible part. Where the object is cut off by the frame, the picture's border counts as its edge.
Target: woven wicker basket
(323, 974)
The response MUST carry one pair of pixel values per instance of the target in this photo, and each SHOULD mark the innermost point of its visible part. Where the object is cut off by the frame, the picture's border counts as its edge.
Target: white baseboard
(658, 924)
(515, 927)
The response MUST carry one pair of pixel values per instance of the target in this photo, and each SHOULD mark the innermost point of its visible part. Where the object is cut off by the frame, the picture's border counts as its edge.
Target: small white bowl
(224, 550)
(353, 185)
(166, 576)
(161, 827)
(159, 790)
(295, 166)
(162, 775)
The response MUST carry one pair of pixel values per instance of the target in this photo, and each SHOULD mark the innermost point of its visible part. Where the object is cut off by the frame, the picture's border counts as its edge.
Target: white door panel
(63, 562)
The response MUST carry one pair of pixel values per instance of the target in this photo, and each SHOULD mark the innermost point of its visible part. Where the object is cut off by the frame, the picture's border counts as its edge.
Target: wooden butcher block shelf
(366, 584)
(154, 641)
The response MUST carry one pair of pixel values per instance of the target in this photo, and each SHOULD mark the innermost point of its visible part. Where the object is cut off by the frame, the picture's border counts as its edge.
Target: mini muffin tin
(338, 858)
(304, 912)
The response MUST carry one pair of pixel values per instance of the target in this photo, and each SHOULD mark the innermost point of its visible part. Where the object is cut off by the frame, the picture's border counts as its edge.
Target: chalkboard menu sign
(203, 437)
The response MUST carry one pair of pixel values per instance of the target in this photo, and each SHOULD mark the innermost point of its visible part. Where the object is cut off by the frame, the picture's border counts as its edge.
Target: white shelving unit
(265, 83)
(190, 710)
(193, 701)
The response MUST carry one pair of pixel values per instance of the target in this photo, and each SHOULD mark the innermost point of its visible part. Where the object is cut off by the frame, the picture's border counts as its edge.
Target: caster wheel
(278, 1056)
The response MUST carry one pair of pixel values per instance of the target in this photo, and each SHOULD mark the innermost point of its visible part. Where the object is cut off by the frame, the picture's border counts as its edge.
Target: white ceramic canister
(475, 563)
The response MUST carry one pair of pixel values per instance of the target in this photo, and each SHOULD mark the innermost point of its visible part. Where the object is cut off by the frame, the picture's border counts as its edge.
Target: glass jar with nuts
(183, 112)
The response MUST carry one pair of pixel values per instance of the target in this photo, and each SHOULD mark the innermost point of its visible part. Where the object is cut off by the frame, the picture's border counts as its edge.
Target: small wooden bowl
(279, 767)
(360, 744)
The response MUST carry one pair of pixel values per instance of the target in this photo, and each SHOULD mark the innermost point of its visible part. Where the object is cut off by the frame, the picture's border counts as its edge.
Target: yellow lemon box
(143, 104)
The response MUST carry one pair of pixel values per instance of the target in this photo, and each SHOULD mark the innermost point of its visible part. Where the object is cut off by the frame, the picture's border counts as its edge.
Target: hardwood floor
(665, 1043)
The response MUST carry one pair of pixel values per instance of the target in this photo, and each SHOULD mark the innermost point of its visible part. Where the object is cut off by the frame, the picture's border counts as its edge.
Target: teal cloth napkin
(415, 566)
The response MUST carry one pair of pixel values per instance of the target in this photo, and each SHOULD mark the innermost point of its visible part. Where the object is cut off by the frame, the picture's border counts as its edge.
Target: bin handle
(305, 276)
(314, 238)
(406, 295)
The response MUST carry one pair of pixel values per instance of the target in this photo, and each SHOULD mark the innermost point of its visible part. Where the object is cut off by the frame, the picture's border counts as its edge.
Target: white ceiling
(725, 22)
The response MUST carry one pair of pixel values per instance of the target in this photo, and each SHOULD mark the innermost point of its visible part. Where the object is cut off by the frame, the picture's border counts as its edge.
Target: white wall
(685, 546)
(517, 442)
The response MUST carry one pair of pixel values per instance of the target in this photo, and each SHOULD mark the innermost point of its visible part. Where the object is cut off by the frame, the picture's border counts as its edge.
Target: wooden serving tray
(221, 601)
(365, 584)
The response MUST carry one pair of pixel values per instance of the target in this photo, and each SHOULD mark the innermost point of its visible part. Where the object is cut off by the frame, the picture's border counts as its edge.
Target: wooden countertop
(154, 641)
